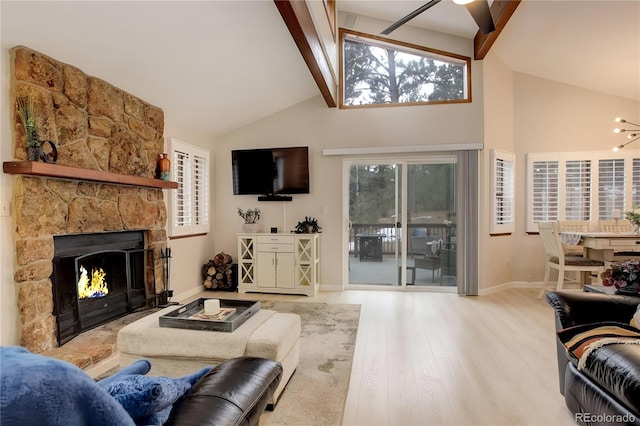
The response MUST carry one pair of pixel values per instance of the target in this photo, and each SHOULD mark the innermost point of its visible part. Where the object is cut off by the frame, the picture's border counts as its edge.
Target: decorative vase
(50, 155)
(251, 228)
(164, 167)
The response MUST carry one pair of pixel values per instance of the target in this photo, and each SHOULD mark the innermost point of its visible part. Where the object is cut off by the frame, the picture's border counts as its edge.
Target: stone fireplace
(95, 126)
(99, 277)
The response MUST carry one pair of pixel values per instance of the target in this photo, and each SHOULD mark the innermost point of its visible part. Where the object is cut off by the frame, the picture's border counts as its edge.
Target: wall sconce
(634, 136)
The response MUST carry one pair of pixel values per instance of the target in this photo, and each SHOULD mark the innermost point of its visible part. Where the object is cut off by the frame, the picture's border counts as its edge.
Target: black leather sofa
(41, 390)
(235, 392)
(607, 389)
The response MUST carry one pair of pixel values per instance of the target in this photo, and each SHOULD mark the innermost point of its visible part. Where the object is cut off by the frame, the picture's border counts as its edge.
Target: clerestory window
(378, 71)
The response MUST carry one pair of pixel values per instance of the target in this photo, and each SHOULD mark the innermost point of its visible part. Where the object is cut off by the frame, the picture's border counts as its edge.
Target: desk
(610, 247)
(370, 246)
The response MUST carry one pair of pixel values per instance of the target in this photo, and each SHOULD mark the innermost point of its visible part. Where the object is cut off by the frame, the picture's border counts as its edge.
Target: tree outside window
(377, 71)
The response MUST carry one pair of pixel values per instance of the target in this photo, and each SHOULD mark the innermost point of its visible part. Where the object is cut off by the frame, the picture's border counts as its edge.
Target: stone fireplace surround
(95, 126)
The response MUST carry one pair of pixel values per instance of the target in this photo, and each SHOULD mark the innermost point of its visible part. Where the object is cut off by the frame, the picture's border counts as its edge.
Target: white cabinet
(279, 263)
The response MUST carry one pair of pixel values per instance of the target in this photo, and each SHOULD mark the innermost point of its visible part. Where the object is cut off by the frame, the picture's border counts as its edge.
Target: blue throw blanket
(37, 390)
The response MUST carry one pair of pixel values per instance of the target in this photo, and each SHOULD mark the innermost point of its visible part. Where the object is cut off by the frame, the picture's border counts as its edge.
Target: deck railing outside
(434, 231)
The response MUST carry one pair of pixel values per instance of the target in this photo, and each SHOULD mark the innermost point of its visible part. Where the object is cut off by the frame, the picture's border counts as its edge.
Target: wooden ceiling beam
(298, 20)
(501, 11)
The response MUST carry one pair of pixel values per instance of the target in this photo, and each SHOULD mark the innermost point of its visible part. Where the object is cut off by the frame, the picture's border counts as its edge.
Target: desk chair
(555, 258)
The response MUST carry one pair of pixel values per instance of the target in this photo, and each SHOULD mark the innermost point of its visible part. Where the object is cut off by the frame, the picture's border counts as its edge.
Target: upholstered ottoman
(175, 352)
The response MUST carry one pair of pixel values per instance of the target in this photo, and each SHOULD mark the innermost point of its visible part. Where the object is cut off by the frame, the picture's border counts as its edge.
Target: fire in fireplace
(94, 287)
(99, 277)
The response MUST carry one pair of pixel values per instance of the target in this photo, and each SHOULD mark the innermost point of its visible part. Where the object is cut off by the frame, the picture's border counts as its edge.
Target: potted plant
(634, 219)
(308, 226)
(27, 111)
(624, 276)
(251, 217)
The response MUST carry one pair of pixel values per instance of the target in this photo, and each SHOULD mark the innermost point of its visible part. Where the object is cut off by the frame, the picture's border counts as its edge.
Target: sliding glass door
(375, 207)
(387, 201)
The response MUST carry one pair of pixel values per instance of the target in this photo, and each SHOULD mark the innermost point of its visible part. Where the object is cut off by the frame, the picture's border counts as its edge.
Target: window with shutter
(189, 204)
(503, 192)
(543, 192)
(580, 186)
(577, 190)
(611, 187)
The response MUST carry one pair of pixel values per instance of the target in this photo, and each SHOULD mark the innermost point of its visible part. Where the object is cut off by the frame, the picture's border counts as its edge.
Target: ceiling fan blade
(479, 10)
(409, 17)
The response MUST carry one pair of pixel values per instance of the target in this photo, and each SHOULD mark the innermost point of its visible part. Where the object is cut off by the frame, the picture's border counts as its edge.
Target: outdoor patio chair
(430, 260)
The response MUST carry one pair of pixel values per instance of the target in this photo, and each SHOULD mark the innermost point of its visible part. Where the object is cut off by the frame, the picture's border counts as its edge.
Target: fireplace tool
(167, 293)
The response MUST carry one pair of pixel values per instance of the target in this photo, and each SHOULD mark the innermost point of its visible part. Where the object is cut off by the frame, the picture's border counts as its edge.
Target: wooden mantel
(35, 168)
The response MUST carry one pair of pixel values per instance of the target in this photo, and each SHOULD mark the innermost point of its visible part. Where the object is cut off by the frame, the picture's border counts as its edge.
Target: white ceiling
(218, 65)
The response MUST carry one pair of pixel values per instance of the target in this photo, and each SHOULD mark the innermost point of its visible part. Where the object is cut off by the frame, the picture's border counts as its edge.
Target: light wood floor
(443, 359)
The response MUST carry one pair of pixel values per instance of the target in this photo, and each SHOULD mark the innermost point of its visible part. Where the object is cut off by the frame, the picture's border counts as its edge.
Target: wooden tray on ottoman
(187, 316)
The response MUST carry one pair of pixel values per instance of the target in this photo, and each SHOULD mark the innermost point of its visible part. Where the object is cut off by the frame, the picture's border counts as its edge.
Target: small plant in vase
(251, 217)
(634, 218)
(308, 226)
(27, 110)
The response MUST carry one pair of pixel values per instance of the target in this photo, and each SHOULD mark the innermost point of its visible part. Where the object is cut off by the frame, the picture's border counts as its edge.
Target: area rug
(317, 391)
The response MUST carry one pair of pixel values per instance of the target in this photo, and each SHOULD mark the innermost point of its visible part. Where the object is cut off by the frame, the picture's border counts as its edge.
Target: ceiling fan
(479, 10)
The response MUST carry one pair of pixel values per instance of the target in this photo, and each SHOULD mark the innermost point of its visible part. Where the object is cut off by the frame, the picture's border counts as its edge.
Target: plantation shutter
(190, 202)
(577, 190)
(503, 192)
(545, 193)
(200, 190)
(581, 186)
(182, 200)
(611, 186)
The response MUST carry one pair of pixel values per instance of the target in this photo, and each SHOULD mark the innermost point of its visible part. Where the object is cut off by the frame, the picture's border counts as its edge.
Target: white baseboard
(505, 286)
(328, 287)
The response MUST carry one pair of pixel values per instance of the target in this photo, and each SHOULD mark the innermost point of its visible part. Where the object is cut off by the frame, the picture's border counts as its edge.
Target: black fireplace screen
(99, 277)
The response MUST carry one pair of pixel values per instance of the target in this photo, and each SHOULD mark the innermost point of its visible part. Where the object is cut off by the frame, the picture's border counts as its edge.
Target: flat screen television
(271, 171)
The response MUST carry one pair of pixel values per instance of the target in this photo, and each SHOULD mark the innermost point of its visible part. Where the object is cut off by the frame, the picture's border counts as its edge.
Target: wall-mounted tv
(271, 171)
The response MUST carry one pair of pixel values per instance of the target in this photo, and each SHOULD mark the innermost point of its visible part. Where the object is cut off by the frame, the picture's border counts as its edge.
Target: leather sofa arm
(575, 308)
(235, 392)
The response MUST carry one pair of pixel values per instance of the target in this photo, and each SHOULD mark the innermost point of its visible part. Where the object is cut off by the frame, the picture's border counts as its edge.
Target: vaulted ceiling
(218, 65)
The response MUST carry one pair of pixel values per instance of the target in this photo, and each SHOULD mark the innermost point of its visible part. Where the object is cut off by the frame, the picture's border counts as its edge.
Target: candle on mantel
(211, 306)
(616, 213)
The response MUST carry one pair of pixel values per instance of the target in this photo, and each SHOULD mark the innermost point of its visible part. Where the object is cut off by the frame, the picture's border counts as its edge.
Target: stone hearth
(95, 126)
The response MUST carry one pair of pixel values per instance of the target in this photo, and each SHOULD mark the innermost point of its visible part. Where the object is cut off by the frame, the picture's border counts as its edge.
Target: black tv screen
(270, 171)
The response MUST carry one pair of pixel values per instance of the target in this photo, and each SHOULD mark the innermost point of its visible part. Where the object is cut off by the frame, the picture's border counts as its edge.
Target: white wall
(495, 255)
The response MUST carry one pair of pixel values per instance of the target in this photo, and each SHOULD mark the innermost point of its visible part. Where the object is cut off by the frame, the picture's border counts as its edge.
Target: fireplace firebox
(99, 277)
